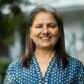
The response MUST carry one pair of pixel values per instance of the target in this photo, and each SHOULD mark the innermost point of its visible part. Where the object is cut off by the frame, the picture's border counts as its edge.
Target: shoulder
(76, 69)
(15, 65)
(75, 63)
(12, 71)
(74, 60)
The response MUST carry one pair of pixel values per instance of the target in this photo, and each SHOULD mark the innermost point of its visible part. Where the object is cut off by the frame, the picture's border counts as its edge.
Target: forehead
(44, 16)
(47, 14)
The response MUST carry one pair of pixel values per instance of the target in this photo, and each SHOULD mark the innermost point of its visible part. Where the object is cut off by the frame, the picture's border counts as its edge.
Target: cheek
(35, 32)
(55, 32)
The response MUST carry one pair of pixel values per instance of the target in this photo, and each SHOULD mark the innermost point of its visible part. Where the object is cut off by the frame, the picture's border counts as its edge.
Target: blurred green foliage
(4, 63)
(12, 20)
(3, 66)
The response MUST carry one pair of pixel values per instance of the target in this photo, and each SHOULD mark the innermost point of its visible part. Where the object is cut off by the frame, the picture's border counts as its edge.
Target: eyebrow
(52, 23)
(47, 24)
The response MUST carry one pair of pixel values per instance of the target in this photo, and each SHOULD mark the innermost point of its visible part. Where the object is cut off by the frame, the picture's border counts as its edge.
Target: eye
(39, 26)
(52, 25)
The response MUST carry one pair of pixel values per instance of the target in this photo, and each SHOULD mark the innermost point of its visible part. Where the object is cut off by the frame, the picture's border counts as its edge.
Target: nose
(45, 30)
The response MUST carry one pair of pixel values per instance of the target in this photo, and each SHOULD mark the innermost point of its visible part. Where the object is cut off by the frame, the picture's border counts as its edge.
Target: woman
(45, 60)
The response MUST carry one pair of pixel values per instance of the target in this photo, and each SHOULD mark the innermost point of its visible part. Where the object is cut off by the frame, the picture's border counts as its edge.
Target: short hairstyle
(59, 46)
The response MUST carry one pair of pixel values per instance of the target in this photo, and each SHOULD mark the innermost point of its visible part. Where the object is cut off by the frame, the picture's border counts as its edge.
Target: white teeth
(44, 37)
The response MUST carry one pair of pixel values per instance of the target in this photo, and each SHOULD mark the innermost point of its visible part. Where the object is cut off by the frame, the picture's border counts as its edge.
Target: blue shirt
(72, 74)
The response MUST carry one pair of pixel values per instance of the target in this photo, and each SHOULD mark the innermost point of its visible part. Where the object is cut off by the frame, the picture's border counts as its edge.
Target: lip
(45, 38)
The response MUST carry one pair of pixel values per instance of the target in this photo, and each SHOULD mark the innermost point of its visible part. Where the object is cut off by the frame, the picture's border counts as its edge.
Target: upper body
(72, 74)
(45, 60)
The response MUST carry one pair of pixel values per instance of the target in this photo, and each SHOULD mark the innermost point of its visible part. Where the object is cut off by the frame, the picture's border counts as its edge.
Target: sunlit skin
(44, 31)
(45, 34)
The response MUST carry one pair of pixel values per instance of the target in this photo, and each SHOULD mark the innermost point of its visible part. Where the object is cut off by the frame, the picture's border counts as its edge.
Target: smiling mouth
(45, 38)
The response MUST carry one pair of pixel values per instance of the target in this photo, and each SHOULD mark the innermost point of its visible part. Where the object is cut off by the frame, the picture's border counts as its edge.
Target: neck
(44, 54)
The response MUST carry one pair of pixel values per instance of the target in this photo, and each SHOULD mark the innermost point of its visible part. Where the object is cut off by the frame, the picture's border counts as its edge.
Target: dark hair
(30, 46)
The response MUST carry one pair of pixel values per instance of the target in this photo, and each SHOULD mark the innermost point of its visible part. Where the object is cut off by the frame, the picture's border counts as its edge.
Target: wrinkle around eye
(52, 25)
(38, 26)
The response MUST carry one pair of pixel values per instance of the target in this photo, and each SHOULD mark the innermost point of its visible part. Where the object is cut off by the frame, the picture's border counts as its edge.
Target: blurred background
(13, 21)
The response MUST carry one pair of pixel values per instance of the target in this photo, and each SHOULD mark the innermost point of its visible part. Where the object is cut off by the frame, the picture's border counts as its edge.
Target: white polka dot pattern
(73, 74)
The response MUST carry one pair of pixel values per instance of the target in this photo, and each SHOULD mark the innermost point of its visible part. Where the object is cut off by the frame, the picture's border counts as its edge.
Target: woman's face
(44, 31)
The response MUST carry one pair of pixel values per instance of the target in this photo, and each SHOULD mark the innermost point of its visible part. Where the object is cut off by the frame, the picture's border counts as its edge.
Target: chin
(46, 46)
